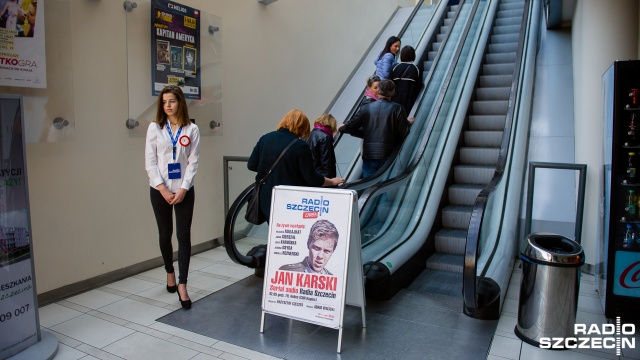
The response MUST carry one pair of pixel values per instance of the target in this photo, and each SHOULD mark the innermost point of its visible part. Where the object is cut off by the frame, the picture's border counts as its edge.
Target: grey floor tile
(92, 331)
(143, 346)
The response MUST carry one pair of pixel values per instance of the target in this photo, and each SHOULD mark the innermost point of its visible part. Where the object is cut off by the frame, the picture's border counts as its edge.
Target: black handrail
(469, 277)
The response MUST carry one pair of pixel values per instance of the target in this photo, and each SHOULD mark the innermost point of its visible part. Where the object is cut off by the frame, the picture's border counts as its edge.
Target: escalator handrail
(469, 277)
(229, 240)
(415, 161)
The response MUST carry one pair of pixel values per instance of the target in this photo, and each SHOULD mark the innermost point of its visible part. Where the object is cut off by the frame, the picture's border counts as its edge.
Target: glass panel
(415, 30)
(206, 112)
(49, 113)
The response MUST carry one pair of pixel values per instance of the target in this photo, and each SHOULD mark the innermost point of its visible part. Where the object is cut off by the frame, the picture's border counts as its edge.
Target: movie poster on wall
(18, 307)
(175, 45)
(22, 51)
(307, 253)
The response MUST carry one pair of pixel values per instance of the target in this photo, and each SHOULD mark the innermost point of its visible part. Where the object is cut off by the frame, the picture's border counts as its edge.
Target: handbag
(253, 214)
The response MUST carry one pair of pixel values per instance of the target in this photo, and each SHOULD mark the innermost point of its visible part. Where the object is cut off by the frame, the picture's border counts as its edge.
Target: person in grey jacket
(385, 126)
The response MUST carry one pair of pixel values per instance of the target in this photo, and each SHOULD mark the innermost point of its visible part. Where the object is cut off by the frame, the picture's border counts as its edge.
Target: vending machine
(618, 269)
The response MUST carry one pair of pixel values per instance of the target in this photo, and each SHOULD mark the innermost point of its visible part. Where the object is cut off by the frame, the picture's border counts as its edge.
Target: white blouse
(159, 154)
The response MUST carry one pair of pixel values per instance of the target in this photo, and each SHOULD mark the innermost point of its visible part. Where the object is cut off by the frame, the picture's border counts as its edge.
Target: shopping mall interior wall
(603, 32)
(89, 196)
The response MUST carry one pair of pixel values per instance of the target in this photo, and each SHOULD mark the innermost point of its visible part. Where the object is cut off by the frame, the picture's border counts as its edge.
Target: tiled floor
(118, 321)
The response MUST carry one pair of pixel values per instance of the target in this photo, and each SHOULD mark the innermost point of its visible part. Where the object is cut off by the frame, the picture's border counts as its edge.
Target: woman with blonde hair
(321, 143)
(296, 165)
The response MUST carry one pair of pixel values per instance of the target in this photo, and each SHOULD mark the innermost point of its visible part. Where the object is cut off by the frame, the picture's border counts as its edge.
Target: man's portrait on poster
(322, 242)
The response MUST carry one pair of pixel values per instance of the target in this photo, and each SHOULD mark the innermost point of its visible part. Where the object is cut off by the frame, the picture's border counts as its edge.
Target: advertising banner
(627, 274)
(18, 308)
(22, 52)
(175, 45)
(307, 255)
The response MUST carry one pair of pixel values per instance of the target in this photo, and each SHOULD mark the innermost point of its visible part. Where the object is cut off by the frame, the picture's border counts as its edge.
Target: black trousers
(164, 219)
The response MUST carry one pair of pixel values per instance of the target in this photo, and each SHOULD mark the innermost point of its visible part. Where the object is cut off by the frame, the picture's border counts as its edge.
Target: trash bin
(549, 290)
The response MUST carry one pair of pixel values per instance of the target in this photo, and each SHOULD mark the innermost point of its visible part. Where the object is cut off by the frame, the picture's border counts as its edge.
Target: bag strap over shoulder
(277, 160)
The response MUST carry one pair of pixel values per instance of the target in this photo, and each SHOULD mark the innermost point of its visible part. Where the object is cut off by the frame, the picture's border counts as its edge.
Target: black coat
(408, 81)
(385, 127)
(360, 131)
(324, 158)
(295, 168)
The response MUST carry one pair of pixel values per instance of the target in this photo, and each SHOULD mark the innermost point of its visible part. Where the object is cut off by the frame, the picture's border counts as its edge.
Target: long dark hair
(387, 48)
(183, 110)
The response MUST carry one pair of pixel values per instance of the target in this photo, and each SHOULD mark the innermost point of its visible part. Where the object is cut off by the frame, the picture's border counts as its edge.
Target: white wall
(90, 196)
(603, 31)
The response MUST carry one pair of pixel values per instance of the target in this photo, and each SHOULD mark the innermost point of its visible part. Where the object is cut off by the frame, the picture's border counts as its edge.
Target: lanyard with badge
(174, 168)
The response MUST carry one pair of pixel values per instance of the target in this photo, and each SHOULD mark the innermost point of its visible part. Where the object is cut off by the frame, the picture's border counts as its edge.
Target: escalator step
(473, 174)
(440, 37)
(506, 29)
(456, 216)
(503, 48)
(446, 262)
(500, 58)
(511, 6)
(486, 122)
(495, 80)
(498, 69)
(506, 14)
(508, 21)
(483, 138)
(493, 93)
(450, 241)
(479, 155)
(495, 107)
(504, 38)
(463, 194)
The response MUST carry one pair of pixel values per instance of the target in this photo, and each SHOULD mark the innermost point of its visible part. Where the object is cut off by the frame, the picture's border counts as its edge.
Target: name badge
(174, 171)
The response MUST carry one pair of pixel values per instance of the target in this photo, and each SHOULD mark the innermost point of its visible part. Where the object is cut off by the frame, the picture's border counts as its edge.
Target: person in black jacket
(321, 143)
(296, 166)
(385, 126)
(407, 78)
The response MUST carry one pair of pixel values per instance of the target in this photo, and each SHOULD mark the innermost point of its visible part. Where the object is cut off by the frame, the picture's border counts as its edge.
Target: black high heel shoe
(172, 289)
(186, 304)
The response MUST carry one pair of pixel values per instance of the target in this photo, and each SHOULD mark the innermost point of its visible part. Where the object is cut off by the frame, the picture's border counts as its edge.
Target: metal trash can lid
(552, 249)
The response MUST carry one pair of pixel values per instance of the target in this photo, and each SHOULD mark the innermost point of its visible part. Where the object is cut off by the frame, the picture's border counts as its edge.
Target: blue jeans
(370, 167)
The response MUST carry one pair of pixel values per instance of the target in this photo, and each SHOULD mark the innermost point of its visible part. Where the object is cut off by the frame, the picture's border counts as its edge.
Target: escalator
(462, 195)
(402, 213)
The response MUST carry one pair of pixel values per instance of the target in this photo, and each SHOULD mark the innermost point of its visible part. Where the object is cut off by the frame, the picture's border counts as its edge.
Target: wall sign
(175, 44)
(22, 52)
(18, 306)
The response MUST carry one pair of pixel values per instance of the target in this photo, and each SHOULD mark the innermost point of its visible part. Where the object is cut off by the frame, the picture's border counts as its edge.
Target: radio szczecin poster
(307, 255)
(22, 53)
(175, 45)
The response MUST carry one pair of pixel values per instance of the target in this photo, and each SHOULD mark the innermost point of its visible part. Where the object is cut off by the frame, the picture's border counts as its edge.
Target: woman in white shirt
(171, 160)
